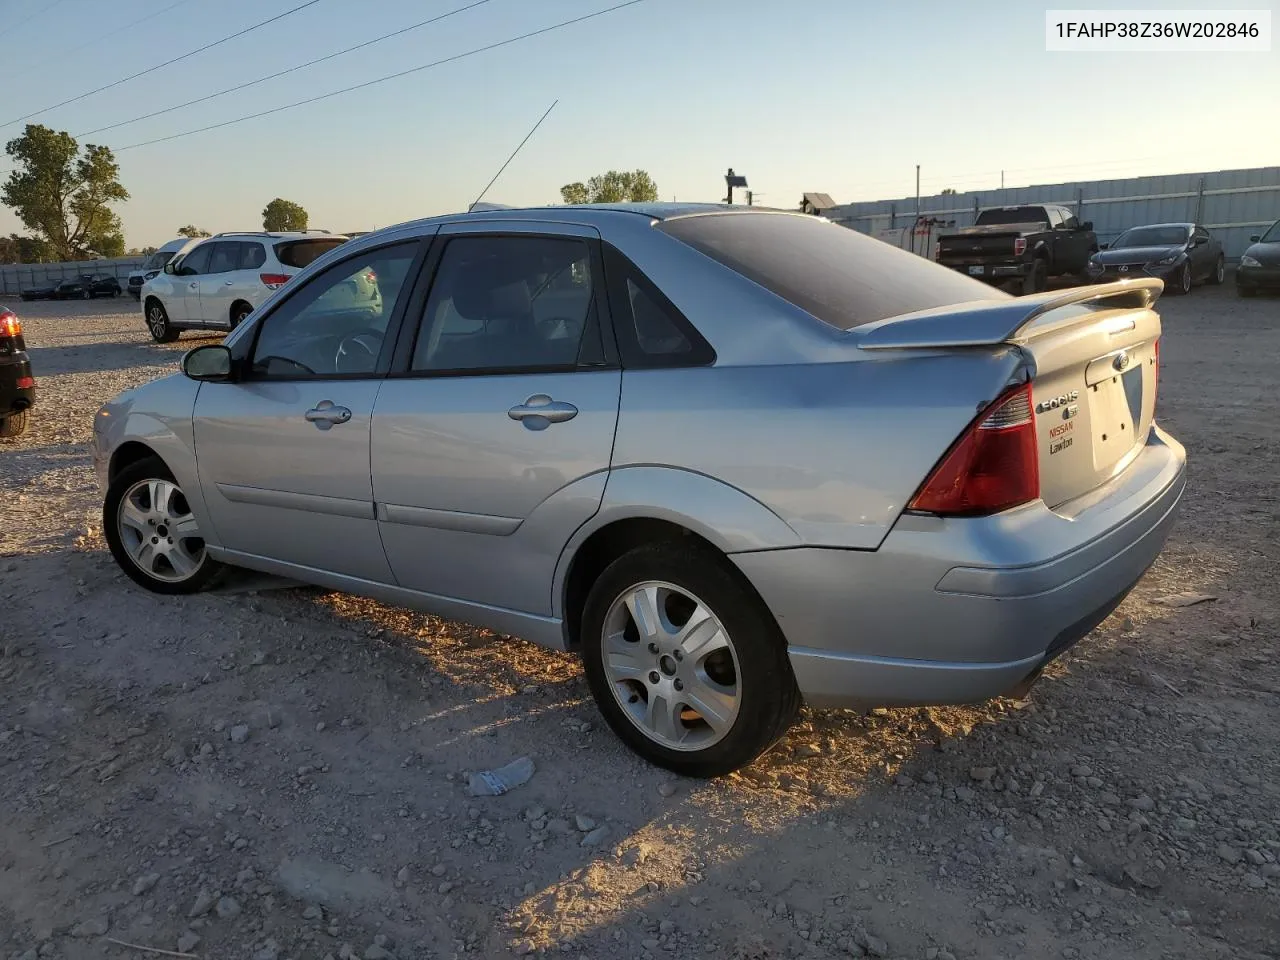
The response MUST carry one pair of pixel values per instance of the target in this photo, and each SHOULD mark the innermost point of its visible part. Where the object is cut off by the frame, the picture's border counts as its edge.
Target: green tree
(616, 186)
(284, 215)
(193, 232)
(19, 249)
(63, 194)
(948, 191)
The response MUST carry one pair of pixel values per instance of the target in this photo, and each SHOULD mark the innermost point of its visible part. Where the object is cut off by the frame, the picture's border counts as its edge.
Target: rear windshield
(842, 277)
(299, 253)
(1016, 215)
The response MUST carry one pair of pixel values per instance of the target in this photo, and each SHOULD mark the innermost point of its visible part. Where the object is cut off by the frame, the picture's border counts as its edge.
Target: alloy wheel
(156, 321)
(159, 532)
(671, 666)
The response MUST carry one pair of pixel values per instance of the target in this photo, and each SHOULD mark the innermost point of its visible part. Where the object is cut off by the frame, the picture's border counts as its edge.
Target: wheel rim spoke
(160, 492)
(716, 705)
(662, 716)
(183, 565)
(701, 635)
(145, 556)
(624, 665)
(643, 605)
(133, 517)
(185, 526)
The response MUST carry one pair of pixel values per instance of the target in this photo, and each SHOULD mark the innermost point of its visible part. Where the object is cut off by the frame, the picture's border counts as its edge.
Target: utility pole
(750, 198)
(917, 191)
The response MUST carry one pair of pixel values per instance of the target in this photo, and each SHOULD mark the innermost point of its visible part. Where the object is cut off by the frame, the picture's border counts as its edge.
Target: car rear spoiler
(982, 323)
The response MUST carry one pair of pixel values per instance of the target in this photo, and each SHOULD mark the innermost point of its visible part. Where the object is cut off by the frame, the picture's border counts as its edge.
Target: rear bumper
(14, 398)
(962, 610)
(992, 272)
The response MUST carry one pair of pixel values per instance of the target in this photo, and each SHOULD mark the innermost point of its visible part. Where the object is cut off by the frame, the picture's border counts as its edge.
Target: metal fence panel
(1233, 204)
(16, 277)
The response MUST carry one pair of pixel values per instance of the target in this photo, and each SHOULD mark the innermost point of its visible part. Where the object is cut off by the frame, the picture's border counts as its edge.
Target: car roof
(1184, 223)
(281, 234)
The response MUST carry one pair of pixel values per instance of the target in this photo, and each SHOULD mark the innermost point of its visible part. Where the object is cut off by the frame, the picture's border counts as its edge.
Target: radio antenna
(514, 152)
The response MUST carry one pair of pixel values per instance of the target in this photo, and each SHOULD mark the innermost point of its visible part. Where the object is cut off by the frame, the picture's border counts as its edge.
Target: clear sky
(839, 96)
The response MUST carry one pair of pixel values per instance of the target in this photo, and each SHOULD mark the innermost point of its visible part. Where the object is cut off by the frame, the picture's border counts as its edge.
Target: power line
(281, 73)
(31, 16)
(158, 66)
(106, 36)
(383, 79)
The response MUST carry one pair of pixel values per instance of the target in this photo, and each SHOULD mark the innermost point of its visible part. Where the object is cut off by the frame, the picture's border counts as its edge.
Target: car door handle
(539, 411)
(228, 283)
(325, 414)
(194, 285)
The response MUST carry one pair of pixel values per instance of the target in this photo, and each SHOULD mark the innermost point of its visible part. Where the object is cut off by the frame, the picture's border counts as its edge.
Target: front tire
(1219, 272)
(15, 424)
(152, 532)
(685, 661)
(158, 323)
(1184, 280)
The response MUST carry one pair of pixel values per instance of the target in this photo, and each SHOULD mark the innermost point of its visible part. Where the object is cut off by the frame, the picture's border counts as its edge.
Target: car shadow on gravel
(88, 358)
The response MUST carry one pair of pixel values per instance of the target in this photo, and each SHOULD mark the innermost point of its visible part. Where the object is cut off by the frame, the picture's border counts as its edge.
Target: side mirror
(1103, 246)
(1087, 225)
(210, 362)
(169, 267)
(1255, 238)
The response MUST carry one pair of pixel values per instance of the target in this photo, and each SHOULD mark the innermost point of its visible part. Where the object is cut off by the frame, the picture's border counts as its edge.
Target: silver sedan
(736, 459)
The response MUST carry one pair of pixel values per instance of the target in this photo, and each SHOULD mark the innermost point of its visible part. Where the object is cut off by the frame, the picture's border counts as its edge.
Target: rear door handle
(540, 411)
(228, 283)
(324, 414)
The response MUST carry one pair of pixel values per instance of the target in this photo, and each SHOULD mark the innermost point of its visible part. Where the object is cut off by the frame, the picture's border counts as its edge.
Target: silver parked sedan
(735, 458)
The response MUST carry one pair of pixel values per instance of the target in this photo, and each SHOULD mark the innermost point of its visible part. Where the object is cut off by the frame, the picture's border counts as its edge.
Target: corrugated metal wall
(1233, 204)
(16, 277)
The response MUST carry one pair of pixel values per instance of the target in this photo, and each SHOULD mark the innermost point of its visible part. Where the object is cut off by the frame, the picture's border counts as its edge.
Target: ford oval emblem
(1121, 362)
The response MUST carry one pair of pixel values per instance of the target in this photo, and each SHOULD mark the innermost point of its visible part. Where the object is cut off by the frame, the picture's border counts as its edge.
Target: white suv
(221, 280)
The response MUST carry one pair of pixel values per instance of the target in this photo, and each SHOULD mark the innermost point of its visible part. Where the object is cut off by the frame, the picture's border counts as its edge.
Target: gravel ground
(276, 773)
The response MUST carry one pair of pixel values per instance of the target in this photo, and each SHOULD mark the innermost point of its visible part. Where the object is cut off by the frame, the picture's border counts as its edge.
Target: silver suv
(221, 280)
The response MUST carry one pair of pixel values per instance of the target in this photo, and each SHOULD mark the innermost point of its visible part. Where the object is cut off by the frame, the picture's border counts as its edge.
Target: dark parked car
(17, 385)
(1180, 254)
(87, 287)
(42, 292)
(1260, 266)
(1020, 246)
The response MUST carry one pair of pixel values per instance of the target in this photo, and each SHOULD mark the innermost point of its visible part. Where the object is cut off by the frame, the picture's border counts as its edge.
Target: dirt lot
(280, 773)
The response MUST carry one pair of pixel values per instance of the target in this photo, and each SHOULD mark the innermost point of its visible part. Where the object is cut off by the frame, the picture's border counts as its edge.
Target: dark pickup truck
(1022, 246)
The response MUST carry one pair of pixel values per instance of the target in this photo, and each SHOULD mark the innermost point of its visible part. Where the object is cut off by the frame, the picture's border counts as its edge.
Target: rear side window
(252, 255)
(300, 253)
(842, 277)
(651, 331)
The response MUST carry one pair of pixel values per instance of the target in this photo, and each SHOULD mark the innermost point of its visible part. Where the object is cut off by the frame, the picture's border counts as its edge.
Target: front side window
(507, 304)
(196, 262)
(1272, 235)
(335, 324)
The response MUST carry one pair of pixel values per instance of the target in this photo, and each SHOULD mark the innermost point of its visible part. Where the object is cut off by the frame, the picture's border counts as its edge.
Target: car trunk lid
(1091, 356)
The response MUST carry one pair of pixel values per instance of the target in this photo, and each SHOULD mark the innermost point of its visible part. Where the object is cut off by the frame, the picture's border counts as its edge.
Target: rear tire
(158, 323)
(144, 532)
(238, 313)
(1219, 272)
(1037, 281)
(737, 664)
(15, 424)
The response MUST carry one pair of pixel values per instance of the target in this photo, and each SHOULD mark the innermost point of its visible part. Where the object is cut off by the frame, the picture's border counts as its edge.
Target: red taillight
(26, 383)
(1019, 246)
(274, 281)
(993, 466)
(10, 325)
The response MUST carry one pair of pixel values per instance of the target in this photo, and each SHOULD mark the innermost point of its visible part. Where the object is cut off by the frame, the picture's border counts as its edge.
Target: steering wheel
(358, 352)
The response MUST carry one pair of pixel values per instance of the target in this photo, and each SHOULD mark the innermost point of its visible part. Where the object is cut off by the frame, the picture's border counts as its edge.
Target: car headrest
(490, 287)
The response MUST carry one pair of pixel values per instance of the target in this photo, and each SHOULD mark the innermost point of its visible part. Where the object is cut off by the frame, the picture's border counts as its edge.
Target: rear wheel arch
(618, 538)
(239, 310)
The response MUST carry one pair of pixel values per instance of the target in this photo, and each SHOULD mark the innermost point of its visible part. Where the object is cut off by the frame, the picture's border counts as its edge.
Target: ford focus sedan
(735, 459)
